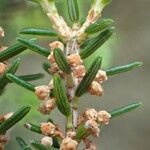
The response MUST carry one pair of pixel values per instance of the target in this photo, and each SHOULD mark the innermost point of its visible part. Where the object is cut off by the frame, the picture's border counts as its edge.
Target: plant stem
(69, 125)
(75, 111)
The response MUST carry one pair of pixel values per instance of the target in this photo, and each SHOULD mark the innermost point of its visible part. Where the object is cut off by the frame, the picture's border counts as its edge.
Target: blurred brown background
(132, 43)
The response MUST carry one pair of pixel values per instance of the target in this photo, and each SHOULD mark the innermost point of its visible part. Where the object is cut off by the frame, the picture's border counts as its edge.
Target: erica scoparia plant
(70, 78)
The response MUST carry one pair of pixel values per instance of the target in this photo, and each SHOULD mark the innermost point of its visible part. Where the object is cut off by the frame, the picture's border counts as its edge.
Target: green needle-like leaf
(73, 10)
(31, 77)
(61, 97)
(22, 143)
(106, 2)
(16, 117)
(95, 43)
(122, 69)
(100, 25)
(12, 51)
(12, 69)
(46, 66)
(124, 110)
(33, 128)
(41, 32)
(39, 146)
(81, 132)
(21, 82)
(89, 77)
(34, 47)
(61, 61)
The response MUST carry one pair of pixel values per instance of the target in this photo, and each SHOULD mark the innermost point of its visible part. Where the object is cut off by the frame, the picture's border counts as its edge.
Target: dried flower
(2, 48)
(91, 114)
(68, 144)
(103, 117)
(8, 115)
(56, 44)
(79, 71)
(42, 92)
(51, 85)
(54, 68)
(89, 145)
(47, 141)
(51, 58)
(48, 128)
(71, 134)
(95, 89)
(47, 106)
(74, 60)
(101, 76)
(3, 68)
(3, 140)
(93, 126)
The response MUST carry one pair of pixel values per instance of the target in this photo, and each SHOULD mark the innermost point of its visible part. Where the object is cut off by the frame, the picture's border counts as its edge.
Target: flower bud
(47, 106)
(3, 68)
(95, 89)
(56, 44)
(47, 141)
(74, 60)
(42, 92)
(68, 144)
(103, 117)
(93, 126)
(101, 76)
(79, 71)
(48, 128)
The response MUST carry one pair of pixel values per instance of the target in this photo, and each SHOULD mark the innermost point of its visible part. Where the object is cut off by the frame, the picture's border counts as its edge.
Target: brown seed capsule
(74, 60)
(79, 71)
(68, 144)
(56, 44)
(47, 106)
(3, 68)
(95, 89)
(93, 126)
(42, 92)
(101, 76)
(47, 141)
(48, 128)
(103, 117)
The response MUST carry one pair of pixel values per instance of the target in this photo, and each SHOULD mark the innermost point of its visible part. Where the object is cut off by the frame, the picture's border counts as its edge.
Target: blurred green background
(130, 43)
